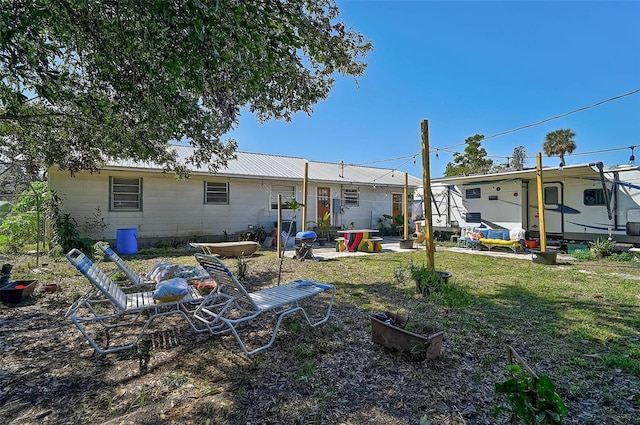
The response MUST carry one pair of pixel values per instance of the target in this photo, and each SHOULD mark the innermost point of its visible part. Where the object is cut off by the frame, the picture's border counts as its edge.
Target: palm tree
(558, 143)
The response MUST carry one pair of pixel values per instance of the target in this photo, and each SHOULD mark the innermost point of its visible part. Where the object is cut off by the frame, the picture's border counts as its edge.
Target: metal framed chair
(108, 307)
(243, 307)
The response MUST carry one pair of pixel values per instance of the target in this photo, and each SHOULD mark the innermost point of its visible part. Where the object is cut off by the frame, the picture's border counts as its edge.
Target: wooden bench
(373, 244)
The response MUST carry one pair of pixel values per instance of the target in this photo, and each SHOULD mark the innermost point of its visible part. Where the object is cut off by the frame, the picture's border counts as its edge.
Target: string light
(632, 158)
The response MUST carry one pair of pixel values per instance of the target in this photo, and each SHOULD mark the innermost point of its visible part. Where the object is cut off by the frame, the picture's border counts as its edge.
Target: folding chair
(139, 280)
(107, 305)
(242, 306)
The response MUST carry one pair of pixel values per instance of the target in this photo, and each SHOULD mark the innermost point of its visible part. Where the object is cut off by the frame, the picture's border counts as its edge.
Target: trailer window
(473, 217)
(473, 193)
(551, 195)
(593, 197)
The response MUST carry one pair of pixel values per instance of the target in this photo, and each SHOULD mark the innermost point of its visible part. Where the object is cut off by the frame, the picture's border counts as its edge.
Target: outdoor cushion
(171, 290)
(496, 234)
(162, 271)
(499, 242)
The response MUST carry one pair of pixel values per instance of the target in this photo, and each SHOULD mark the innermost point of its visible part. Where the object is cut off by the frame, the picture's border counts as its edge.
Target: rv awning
(529, 174)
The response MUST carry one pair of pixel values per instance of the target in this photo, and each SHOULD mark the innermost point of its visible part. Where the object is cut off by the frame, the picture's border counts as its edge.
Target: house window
(593, 197)
(473, 193)
(288, 195)
(126, 194)
(351, 197)
(216, 193)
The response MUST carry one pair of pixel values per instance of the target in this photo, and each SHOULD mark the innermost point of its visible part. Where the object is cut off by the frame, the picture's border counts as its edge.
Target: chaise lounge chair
(242, 306)
(108, 306)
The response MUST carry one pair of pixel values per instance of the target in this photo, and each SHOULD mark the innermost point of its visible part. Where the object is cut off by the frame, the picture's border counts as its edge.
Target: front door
(396, 208)
(324, 201)
(553, 208)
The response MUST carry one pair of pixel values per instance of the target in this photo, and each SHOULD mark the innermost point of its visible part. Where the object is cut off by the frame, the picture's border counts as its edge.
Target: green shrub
(427, 279)
(531, 402)
(20, 225)
(621, 257)
(451, 296)
(584, 255)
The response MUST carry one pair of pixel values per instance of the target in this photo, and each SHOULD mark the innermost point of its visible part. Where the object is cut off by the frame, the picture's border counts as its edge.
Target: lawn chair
(140, 280)
(107, 305)
(243, 306)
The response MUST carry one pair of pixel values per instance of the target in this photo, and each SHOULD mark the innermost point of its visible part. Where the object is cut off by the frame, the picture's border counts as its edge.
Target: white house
(245, 193)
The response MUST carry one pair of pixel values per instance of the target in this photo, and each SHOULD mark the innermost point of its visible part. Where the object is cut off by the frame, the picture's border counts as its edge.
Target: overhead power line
(448, 149)
(584, 108)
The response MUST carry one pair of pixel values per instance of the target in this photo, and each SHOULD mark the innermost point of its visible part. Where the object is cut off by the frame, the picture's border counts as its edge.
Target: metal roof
(528, 174)
(258, 165)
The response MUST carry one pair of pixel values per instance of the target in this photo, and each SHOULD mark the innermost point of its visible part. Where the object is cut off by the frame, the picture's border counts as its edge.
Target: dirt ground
(332, 374)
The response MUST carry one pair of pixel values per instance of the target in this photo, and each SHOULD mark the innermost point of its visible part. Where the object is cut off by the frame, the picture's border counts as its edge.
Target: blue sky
(473, 67)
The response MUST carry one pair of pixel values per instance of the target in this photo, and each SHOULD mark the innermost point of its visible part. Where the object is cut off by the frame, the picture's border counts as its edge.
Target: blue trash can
(127, 241)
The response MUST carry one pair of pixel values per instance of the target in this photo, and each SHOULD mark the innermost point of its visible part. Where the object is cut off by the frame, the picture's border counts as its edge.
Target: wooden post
(279, 235)
(426, 182)
(543, 235)
(305, 195)
(406, 206)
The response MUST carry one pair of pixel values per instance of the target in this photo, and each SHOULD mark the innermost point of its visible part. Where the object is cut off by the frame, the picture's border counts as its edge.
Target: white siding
(171, 208)
(174, 208)
(505, 207)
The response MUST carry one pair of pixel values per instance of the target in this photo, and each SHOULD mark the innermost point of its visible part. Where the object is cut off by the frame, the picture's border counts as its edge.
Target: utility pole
(543, 234)
(426, 182)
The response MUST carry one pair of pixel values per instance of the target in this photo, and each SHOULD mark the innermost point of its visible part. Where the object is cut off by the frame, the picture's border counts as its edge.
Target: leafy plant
(22, 223)
(67, 235)
(95, 225)
(531, 401)
(427, 279)
(260, 234)
(451, 296)
(241, 272)
(324, 226)
(584, 255)
(387, 225)
(622, 257)
(603, 247)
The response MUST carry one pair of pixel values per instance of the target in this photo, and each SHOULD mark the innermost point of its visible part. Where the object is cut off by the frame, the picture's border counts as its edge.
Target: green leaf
(425, 420)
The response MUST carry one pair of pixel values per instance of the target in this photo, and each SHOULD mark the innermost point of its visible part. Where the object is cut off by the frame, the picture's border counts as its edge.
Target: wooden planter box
(426, 344)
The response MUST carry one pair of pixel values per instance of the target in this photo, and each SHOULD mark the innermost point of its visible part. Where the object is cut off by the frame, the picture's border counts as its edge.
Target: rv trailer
(581, 202)
(447, 210)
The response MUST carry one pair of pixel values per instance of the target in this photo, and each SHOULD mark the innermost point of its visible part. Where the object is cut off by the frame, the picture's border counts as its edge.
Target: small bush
(621, 257)
(584, 255)
(452, 296)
